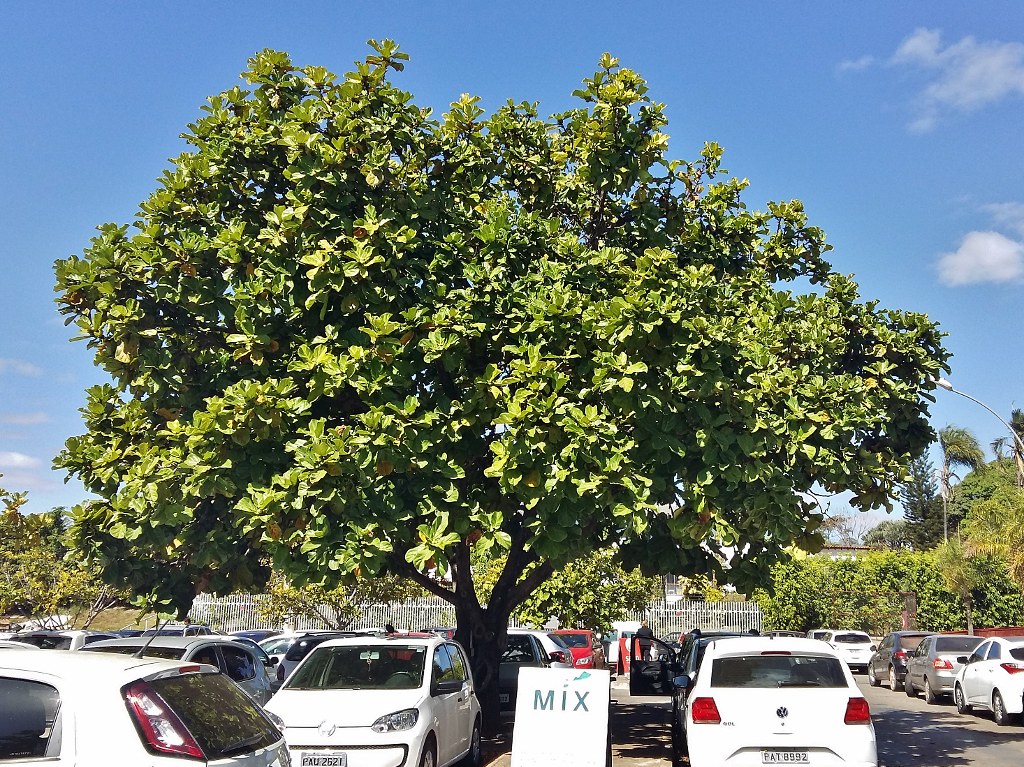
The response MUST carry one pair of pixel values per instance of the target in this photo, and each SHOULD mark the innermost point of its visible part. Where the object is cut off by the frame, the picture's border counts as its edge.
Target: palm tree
(960, 449)
(1017, 449)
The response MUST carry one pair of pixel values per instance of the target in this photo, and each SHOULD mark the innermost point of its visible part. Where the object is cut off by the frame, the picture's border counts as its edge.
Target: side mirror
(270, 662)
(682, 682)
(962, 659)
(445, 688)
(873, 648)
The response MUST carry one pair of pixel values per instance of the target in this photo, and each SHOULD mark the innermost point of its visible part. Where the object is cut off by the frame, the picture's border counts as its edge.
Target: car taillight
(899, 655)
(941, 664)
(558, 656)
(704, 711)
(857, 711)
(1012, 668)
(161, 728)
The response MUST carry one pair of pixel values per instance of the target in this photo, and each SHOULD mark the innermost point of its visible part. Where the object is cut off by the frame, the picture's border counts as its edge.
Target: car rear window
(29, 727)
(45, 641)
(851, 638)
(575, 640)
(762, 671)
(957, 644)
(301, 647)
(224, 720)
(167, 653)
(1017, 653)
(361, 667)
(910, 642)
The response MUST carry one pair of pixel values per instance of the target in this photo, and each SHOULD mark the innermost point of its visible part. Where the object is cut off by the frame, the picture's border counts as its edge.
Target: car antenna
(156, 632)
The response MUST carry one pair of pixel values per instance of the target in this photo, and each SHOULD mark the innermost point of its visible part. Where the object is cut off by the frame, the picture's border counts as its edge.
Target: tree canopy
(347, 337)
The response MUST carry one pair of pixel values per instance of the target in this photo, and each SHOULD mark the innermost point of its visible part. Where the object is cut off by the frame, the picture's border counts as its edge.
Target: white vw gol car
(992, 677)
(775, 700)
(381, 701)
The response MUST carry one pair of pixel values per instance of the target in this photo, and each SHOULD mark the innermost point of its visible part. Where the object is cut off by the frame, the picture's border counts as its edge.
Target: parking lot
(910, 733)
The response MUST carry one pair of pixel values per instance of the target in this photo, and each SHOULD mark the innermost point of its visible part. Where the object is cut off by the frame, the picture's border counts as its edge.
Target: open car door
(652, 677)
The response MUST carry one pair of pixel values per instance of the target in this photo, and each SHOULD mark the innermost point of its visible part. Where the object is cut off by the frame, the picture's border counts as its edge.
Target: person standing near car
(643, 637)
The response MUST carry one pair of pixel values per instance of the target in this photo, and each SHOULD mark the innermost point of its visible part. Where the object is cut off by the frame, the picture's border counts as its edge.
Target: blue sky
(897, 124)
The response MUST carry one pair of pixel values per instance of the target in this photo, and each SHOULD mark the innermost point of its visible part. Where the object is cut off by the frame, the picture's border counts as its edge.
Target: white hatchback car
(95, 709)
(775, 700)
(855, 647)
(992, 677)
(399, 699)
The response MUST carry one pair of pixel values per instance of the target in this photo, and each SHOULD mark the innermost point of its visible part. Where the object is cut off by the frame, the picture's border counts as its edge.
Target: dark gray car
(889, 661)
(932, 666)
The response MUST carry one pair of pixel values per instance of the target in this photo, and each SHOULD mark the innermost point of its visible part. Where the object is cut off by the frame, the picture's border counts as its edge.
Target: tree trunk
(970, 614)
(482, 632)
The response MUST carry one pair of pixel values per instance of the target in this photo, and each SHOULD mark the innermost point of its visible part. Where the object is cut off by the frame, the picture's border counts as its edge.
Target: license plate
(323, 759)
(784, 757)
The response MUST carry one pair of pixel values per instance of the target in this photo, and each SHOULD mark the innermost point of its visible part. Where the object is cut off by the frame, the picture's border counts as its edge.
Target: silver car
(932, 667)
(238, 662)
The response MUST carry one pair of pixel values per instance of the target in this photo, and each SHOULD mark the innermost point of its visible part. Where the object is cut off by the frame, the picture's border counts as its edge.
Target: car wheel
(929, 693)
(999, 712)
(908, 686)
(872, 679)
(894, 684)
(962, 706)
(475, 756)
(429, 758)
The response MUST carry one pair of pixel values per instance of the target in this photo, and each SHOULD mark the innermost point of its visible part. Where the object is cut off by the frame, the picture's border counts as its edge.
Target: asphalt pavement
(640, 732)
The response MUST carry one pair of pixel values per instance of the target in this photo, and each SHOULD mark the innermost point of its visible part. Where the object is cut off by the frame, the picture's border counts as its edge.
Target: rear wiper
(242, 745)
(800, 684)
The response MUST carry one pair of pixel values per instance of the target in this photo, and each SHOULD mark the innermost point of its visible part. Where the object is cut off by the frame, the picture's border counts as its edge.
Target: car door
(917, 660)
(987, 678)
(462, 723)
(445, 702)
(652, 677)
(974, 672)
(880, 660)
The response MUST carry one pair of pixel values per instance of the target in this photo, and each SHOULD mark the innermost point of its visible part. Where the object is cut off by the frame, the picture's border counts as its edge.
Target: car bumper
(725, 751)
(362, 747)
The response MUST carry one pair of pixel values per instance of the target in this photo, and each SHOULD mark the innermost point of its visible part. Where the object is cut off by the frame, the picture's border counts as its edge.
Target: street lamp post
(942, 383)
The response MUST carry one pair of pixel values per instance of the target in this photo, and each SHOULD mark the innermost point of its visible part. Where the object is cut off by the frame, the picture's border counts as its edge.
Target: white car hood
(345, 708)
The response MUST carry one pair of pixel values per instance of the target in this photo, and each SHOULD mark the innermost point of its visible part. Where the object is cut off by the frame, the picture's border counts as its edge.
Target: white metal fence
(238, 612)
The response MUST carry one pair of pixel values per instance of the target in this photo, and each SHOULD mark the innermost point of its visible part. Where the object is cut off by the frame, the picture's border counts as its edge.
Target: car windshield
(276, 645)
(574, 640)
(964, 644)
(361, 667)
(559, 640)
(774, 670)
(852, 638)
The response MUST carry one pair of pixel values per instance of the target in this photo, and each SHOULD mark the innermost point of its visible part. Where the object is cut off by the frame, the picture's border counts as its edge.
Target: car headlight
(584, 661)
(400, 720)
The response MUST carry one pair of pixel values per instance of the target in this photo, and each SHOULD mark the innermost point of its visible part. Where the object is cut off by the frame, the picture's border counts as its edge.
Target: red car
(587, 650)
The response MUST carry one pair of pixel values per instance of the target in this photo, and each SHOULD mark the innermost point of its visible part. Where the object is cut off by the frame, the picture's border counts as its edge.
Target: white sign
(561, 718)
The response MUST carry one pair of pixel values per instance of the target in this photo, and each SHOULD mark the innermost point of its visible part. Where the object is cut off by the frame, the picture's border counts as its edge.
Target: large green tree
(347, 337)
(923, 506)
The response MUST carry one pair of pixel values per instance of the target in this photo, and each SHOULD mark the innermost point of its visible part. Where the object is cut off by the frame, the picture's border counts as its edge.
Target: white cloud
(1008, 214)
(983, 257)
(24, 419)
(10, 460)
(856, 65)
(20, 367)
(965, 76)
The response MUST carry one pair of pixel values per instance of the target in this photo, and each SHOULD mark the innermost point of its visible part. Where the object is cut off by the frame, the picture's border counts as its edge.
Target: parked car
(299, 647)
(88, 708)
(403, 699)
(889, 661)
(256, 635)
(933, 665)
(584, 646)
(523, 648)
(854, 647)
(179, 630)
(774, 700)
(784, 633)
(992, 678)
(818, 633)
(556, 648)
(238, 662)
(61, 640)
(448, 632)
